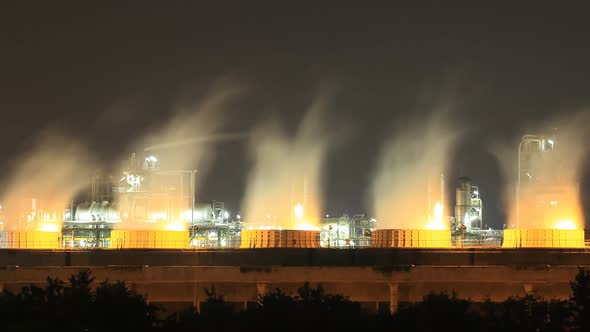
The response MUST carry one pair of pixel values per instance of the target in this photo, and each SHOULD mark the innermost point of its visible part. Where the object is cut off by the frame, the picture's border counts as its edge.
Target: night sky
(108, 72)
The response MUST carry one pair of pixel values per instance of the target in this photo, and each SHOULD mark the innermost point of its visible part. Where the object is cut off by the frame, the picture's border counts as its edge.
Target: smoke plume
(283, 189)
(409, 171)
(44, 182)
(550, 174)
(177, 147)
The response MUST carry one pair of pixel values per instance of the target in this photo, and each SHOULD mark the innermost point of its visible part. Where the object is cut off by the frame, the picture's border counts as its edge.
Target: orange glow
(158, 215)
(411, 238)
(436, 221)
(544, 238)
(49, 228)
(175, 226)
(565, 224)
(299, 212)
(306, 227)
(556, 207)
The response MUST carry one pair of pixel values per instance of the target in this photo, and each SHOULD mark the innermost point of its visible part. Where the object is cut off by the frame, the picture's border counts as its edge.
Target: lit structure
(411, 238)
(543, 238)
(305, 235)
(468, 205)
(284, 238)
(547, 204)
(531, 151)
(147, 198)
(347, 231)
(149, 239)
(30, 239)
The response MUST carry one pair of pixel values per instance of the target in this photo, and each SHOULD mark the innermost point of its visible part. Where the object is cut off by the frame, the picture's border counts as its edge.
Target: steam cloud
(287, 172)
(550, 191)
(183, 143)
(44, 182)
(408, 162)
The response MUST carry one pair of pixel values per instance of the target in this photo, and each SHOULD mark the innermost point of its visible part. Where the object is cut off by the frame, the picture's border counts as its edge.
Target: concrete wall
(375, 277)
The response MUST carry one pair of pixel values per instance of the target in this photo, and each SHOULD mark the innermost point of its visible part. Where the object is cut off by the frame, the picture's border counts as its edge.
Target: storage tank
(463, 201)
(201, 213)
(96, 212)
(274, 238)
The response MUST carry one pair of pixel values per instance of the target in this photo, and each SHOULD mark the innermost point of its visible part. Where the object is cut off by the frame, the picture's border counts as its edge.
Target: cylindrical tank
(96, 212)
(201, 213)
(411, 238)
(463, 201)
(274, 238)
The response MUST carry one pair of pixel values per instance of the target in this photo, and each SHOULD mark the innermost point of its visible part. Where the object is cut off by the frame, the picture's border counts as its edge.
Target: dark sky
(105, 73)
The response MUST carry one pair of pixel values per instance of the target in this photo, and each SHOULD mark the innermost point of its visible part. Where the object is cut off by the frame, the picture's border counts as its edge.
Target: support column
(393, 288)
(196, 300)
(261, 289)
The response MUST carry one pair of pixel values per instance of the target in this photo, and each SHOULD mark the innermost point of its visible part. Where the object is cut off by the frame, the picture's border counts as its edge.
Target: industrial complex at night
(150, 208)
(147, 226)
(209, 166)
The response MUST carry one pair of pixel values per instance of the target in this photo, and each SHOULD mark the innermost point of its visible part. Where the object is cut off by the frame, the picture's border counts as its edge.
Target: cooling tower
(280, 239)
(411, 238)
(149, 239)
(543, 238)
(30, 240)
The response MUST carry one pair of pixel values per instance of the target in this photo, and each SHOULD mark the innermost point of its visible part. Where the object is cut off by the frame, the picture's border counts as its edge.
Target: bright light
(152, 158)
(265, 227)
(306, 227)
(436, 221)
(565, 224)
(438, 210)
(158, 215)
(550, 141)
(49, 228)
(226, 215)
(299, 212)
(238, 216)
(175, 226)
(553, 203)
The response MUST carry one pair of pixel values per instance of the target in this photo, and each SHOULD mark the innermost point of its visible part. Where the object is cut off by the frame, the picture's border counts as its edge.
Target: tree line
(76, 305)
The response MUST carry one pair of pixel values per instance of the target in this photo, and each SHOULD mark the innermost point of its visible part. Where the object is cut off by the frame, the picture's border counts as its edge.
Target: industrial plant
(147, 225)
(145, 206)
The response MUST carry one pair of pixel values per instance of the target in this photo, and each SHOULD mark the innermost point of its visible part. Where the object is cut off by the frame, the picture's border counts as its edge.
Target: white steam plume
(287, 173)
(408, 161)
